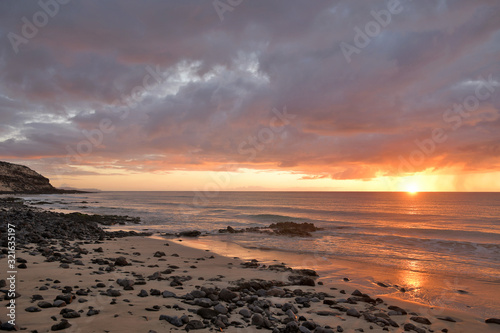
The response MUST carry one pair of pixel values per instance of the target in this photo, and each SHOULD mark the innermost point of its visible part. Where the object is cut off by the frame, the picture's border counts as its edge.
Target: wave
(274, 218)
(455, 235)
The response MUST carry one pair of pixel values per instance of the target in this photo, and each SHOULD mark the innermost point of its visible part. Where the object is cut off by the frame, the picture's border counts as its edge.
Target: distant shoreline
(58, 191)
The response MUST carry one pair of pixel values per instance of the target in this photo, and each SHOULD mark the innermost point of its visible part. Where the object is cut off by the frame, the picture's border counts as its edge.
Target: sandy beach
(177, 287)
(65, 272)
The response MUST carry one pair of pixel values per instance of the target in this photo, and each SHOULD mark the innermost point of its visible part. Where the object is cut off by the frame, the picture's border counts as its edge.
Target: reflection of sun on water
(411, 278)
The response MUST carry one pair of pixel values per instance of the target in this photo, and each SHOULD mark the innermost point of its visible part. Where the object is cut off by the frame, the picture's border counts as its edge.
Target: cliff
(15, 178)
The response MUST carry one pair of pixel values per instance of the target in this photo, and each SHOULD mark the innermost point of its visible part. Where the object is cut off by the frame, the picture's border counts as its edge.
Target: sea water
(442, 248)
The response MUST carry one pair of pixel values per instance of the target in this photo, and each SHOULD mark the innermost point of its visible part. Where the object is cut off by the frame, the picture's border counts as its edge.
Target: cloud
(212, 85)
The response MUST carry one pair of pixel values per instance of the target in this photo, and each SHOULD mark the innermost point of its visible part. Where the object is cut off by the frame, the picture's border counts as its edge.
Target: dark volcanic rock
(206, 313)
(194, 325)
(174, 320)
(190, 233)
(227, 295)
(421, 320)
(8, 327)
(293, 229)
(64, 324)
(39, 227)
(121, 261)
(492, 321)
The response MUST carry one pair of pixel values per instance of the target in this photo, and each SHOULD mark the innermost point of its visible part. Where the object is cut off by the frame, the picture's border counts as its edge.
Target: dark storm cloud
(180, 88)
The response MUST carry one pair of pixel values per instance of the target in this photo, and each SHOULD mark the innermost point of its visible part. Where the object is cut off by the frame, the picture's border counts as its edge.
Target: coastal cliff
(15, 178)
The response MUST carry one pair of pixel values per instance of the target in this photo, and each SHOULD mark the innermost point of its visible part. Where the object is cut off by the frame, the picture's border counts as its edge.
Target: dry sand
(129, 314)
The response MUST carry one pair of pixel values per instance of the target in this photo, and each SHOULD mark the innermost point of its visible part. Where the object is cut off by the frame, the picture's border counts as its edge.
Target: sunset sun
(412, 188)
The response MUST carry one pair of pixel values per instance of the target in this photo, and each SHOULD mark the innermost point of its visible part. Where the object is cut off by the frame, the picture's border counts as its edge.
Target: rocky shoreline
(76, 277)
(40, 226)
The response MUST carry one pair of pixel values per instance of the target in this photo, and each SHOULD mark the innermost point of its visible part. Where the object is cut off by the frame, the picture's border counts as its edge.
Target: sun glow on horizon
(412, 188)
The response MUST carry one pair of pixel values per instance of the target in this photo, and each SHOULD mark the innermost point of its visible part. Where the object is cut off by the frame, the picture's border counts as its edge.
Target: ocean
(442, 248)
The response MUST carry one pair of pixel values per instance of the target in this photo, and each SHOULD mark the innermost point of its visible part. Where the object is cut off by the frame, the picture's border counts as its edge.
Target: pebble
(257, 320)
(353, 313)
(421, 320)
(33, 309)
(64, 324)
(245, 313)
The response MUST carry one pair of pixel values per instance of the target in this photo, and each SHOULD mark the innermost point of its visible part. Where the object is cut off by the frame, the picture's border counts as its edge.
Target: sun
(412, 188)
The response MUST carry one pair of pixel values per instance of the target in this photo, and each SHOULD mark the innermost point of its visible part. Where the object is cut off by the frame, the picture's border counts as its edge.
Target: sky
(253, 95)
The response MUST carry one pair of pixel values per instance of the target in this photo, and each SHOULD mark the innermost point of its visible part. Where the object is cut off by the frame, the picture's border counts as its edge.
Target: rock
(44, 304)
(125, 283)
(69, 313)
(203, 302)
(451, 320)
(227, 295)
(113, 293)
(257, 319)
(32, 309)
(245, 313)
(143, 293)
(492, 321)
(290, 314)
(289, 306)
(64, 324)
(198, 293)
(167, 294)
(93, 312)
(8, 327)
(190, 233)
(207, 313)
(9, 297)
(325, 313)
(421, 320)
(306, 272)
(220, 309)
(353, 313)
(304, 329)
(275, 292)
(383, 285)
(68, 298)
(293, 229)
(159, 254)
(176, 321)
(291, 327)
(307, 281)
(409, 327)
(194, 325)
(121, 261)
(397, 309)
(309, 324)
(357, 293)
(59, 303)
